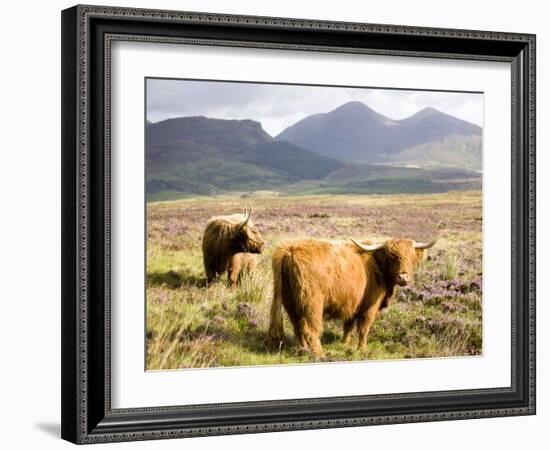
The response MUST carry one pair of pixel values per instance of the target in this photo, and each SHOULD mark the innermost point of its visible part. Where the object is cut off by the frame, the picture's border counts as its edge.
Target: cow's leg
(302, 333)
(311, 326)
(233, 271)
(364, 323)
(209, 269)
(233, 276)
(295, 327)
(348, 329)
(315, 343)
(388, 297)
(210, 275)
(310, 340)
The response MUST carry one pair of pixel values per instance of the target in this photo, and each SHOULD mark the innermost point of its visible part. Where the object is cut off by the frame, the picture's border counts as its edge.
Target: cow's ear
(420, 254)
(240, 230)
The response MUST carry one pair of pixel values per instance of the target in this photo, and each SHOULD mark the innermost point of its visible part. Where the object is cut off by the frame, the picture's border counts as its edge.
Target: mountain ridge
(198, 155)
(202, 155)
(353, 133)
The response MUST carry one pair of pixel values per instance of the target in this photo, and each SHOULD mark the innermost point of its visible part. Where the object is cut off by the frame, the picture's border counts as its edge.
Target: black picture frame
(87, 32)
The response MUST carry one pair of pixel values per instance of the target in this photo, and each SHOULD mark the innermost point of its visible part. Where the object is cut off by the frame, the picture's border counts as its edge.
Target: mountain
(353, 132)
(199, 155)
(452, 151)
(356, 133)
(352, 149)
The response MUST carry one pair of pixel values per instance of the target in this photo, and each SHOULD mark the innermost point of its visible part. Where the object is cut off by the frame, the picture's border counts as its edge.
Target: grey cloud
(278, 106)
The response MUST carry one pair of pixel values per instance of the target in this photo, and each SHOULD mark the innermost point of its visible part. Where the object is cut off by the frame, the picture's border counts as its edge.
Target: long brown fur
(239, 264)
(226, 248)
(316, 279)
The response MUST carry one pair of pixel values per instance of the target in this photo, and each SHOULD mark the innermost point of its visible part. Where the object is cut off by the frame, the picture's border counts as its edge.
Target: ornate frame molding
(80, 424)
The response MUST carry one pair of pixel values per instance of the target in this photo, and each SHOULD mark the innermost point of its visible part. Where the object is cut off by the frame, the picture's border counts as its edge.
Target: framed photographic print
(280, 224)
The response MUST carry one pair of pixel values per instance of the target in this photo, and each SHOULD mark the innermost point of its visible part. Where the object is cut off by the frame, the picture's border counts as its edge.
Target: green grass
(213, 177)
(191, 325)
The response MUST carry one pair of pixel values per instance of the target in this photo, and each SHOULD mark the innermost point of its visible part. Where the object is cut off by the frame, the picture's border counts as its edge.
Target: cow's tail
(280, 279)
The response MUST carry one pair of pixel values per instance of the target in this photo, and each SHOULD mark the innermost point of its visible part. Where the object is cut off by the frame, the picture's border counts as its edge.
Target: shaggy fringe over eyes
(401, 248)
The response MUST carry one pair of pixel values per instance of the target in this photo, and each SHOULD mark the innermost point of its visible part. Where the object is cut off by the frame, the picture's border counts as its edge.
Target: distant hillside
(356, 133)
(386, 179)
(352, 149)
(451, 151)
(198, 155)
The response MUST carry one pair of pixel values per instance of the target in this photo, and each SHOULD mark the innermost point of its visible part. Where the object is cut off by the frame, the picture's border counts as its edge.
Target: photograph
(317, 224)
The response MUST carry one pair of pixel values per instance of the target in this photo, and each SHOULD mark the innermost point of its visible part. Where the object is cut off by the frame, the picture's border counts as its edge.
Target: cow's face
(249, 239)
(397, 257)
(246, 237)
(401, 257)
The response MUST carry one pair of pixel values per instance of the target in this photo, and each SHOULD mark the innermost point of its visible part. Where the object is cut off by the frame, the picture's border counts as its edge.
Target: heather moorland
(190, 324)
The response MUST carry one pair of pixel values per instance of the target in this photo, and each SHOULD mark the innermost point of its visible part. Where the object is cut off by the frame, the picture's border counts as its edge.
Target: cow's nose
(402, 278)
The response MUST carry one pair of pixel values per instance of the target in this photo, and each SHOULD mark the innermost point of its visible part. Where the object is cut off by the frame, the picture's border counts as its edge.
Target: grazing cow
(349, 281)
(226, 246)
(239, 264)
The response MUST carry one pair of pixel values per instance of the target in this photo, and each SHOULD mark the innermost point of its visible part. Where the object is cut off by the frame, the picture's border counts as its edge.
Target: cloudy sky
(279, 106)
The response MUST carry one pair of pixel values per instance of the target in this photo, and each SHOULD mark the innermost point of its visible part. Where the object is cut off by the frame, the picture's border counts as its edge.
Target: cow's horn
(247, 214)
(367, 247)
(425, 245)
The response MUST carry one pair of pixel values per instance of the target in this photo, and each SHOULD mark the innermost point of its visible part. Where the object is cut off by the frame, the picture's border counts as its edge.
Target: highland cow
(347, 281)
(227, 244)
(240, 264)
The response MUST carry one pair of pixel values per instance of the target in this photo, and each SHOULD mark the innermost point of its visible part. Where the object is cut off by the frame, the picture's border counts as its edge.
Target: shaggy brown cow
(239, 264)
(346, 281)
(226, 246)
